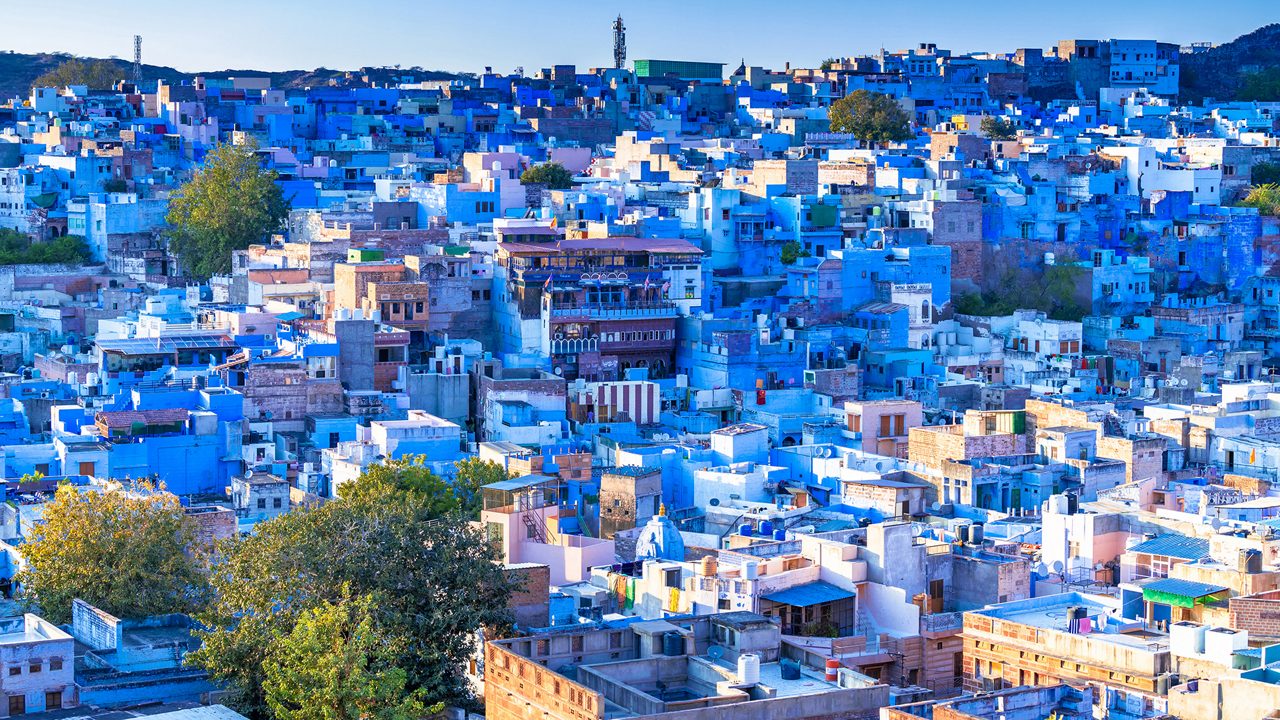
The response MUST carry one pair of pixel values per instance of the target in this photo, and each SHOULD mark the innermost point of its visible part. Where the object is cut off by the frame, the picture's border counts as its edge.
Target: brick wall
(518, 689)
(1259, 614)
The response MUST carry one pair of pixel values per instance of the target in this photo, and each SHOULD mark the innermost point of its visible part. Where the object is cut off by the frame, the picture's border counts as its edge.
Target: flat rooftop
(1050, 613)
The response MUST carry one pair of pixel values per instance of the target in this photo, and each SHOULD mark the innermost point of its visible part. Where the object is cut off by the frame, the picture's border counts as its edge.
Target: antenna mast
(137, 61)
(619, 44)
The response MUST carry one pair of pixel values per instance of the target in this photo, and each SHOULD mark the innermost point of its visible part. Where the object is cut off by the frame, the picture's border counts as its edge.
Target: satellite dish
(1216, 524)
(714, 502)
(1042, 570)
(1057, 566)
(715, 652)
(935, 506)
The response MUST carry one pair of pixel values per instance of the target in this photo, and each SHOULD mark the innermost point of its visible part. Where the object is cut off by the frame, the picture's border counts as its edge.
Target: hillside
(1218, 73)
(19, 70)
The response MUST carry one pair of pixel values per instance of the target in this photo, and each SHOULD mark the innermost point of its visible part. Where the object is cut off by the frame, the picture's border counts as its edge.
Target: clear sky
(466, 36)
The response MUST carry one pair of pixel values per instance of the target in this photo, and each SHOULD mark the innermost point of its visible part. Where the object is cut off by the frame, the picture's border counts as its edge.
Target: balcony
(616, 311)
(575, 346)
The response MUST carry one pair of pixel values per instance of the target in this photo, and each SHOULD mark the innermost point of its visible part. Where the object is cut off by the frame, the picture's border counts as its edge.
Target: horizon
(291, 34)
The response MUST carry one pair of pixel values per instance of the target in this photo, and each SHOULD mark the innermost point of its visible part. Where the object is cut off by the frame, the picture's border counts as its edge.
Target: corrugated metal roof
(811, 594)
(1174, 545)
(1185, 588)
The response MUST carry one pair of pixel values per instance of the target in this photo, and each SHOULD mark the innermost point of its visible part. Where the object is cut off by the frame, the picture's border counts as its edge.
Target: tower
(137, 61)
(619, 43)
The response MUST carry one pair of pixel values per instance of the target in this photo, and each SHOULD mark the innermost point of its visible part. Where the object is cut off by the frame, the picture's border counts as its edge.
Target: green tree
(230, 203)
(115, 185)
(1265, 173)
(97, 74)
(1264, 197)
(827, 64)
(337, 664)
(434, 578)
(871, 117)
(1262, 86)
(792, 251)
(552, 174)
(473, 474)
(131, 552)
(998, 128)
(19, 249)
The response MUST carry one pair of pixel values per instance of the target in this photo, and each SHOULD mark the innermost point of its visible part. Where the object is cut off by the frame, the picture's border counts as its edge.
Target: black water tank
(673, 644)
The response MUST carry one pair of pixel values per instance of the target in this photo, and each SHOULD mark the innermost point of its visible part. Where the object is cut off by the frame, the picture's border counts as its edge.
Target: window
(55, 664)
(277, 503)
(53, 701)
(35, 667)
(15, 670)
(262, 503)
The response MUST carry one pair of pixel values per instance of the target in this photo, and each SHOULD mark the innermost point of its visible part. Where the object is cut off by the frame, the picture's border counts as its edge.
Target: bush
(19, 249)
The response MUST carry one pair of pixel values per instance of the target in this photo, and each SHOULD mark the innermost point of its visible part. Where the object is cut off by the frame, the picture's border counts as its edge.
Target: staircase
(533, 521)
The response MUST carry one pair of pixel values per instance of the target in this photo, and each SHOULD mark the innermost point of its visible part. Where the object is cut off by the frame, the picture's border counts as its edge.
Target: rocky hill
(19, 70)
(1219, 72)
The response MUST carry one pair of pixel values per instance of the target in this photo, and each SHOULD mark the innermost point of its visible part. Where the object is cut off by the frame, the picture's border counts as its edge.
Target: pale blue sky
(303, 34)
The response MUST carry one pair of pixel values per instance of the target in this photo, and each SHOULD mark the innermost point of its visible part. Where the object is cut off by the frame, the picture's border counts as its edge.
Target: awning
(1180, 593)
(814, 593)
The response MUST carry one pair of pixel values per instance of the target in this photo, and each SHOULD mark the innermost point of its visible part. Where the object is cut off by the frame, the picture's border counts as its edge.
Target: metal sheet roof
(1174, 545)
(1185, 588)
(813, 593)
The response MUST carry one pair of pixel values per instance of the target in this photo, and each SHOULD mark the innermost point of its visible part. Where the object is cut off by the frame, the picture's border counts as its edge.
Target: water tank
(672, 644)
(790, 669)
(766, 528)
(962, 533)
(750, 570)
(1073, 504)
(707, 566)
(780, 534)
(1251, 562)
(748, 668)
(745, 530)
(975, 534)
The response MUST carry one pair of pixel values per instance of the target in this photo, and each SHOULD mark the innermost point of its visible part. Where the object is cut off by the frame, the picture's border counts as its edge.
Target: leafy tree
(408, 475)
(131, 552)
(1265, 173)
(1264, 197)
(115, 185)
(19, 249)
(1263, 86)
(231, 203)
(827, 64)
(473, 474)
(433, 576)
(337, 664)
(871, 117)
(998, 128)
(96, 74)
(552, 174)
(792, 251)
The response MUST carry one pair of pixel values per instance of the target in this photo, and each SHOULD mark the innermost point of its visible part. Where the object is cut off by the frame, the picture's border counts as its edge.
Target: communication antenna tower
(619, 43)
(137, 60)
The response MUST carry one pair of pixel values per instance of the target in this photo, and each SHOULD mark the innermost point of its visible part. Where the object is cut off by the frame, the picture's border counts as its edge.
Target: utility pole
(619, 44)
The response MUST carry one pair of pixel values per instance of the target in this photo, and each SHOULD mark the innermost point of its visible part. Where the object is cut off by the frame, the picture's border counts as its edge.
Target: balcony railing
(615, 311)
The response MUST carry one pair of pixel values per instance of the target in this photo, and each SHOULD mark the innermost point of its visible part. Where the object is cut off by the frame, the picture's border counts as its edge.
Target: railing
(941, 622)
(620, 311)
(575, 346)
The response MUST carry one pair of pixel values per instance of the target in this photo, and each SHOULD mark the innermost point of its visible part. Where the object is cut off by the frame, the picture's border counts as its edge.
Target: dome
(659, 540)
